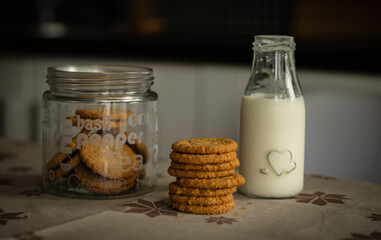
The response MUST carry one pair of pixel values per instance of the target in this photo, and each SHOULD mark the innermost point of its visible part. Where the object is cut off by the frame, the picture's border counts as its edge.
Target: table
(328, 208)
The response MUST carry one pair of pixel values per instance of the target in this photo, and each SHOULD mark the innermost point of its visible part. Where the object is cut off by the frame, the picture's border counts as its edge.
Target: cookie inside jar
(105, 159)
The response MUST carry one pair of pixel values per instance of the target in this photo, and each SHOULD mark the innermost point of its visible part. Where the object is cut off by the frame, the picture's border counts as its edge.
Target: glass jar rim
(103, 79)
(97, 72)
(273, 42)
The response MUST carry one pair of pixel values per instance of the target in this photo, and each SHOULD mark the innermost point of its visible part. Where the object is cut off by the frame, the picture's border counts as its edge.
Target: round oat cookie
(140, 148)
(66, 166)
(100, 113)
(193, 200)
(137, 147)
(113, 124)
(206, 167)
(199, 174)
(209, 145)
(56, 159)
(202, 158)
(200, 209)
(60, 157)
(202, 192)
(222, 182)
(98, 184)
(109, 162)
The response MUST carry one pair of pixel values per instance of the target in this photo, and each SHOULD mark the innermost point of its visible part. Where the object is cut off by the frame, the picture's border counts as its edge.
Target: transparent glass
(272, 122)
(273, 71)
(100, 128)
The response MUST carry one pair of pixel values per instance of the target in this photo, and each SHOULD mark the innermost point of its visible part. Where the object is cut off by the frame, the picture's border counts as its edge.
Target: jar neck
(273, 71)
(99, 80)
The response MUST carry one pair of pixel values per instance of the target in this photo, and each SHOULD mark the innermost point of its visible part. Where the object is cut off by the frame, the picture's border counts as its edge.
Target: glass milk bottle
(272, 124)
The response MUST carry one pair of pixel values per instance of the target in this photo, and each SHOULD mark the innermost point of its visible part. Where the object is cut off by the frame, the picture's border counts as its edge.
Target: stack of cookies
(205, 175)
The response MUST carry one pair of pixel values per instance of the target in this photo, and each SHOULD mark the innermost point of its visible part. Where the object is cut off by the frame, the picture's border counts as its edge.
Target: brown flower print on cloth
(5, 155)
(151, 209)
(221, 220)
(5, 217)
(19, 169)
(375, 217)
(32, 192)
(5, 181)
(28, 236)
(320, 198)
(358, 236)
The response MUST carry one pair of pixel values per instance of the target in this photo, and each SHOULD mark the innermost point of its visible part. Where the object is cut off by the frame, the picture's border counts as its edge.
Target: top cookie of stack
(205, 175)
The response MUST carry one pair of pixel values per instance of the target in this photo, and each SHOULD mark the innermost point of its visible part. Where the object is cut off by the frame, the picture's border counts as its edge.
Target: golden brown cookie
(223, 182)
(100, 113)
(202, 158)
(199, 174)
(140, 148)
(109, 162)
(209, 145)
(198, 200)
(91, 122)
(59, 157)
(98, 184)
(199, 209)
(203, 192)
(64, 167)
(206, 167)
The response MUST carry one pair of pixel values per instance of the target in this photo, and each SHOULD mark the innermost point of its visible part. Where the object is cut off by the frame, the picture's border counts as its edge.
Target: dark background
(338, 35)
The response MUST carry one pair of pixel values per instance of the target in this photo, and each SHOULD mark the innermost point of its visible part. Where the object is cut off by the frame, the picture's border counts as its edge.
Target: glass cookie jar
(100, 129)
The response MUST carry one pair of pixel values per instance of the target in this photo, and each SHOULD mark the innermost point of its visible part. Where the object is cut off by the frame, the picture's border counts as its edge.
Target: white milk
(271, 149)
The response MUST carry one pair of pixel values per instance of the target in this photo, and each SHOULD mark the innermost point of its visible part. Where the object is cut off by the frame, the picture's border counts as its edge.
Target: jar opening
(266, 43)
(99, 79)
(97, 72)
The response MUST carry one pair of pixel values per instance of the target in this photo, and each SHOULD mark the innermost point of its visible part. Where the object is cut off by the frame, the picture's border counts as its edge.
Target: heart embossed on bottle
(281, 161)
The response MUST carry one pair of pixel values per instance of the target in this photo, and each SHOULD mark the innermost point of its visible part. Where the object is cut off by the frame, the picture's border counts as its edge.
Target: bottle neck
(273, 71)
(99, 80)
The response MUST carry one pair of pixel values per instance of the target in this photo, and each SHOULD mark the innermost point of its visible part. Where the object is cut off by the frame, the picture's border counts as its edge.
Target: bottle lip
(98, 74)
(266, 43)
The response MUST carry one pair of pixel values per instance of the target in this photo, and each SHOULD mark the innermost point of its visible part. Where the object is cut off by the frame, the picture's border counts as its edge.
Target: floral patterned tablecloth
(328, 208)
